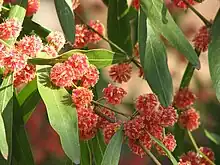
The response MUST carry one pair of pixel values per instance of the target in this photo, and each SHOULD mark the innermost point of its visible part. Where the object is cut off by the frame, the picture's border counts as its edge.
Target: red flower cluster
(113, 94)
(181, 4)
(120, 72)
(136, 4)
(152, 120)
(76, 68)
(202, 39)
(193, 158)
(188, 118)
(85, 35)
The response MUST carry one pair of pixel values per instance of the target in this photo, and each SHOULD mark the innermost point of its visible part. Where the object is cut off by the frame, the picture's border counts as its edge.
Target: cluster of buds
(88, 34)
(189, 117)
(193, 158)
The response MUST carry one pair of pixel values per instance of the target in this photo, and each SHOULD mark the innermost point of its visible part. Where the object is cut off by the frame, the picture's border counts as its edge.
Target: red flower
(87, 121)
(102, 122)
(82, 97)
(189, 119)
(91, 77)
(169, 142)
(113, 94)
(184, 98)
(202, 39)
(120, 72)
(56, 39)
(109, 131)
(181, 4)
(32, 7)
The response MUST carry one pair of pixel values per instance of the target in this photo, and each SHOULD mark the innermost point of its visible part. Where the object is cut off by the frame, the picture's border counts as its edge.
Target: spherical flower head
(190, 157)
(25, 75)
(87, 121)
(145, 140)
(82, 96)
(13, 60)
(146, 104)
(154, 129)
(10, 28)
(99, 27)
(120, 72)
(136, 4)
(109, 131)
(169, 142)
(184, 98)
(32, 7)
(81, 38)
(50, 50)
(184, 163)
(189, 119)
(91, 77)
(181, 4)
(209, 153)
(134, 128)
(202, 39)
(168, 116)
(75, 3)
(102, 122)
(61, 75)
(56, 39)
(80, 64)
(113, 94)
(30, 45)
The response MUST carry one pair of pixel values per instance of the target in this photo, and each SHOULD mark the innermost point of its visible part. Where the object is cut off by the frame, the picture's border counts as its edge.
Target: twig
(104, 106)
(206, 22)
(149, 153)
(99, 113)
(197, 148)
(100, 35)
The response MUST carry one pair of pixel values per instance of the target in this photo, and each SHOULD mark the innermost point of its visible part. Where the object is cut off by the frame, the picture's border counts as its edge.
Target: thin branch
(206, 22)
(149, 153)
(197, 148)
(104, 106)
(100, 35)
(99, 113)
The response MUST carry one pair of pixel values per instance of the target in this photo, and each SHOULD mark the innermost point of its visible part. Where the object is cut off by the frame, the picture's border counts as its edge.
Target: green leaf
(86, 155)
(169, 154)
(27, 91)
(21, 149)
(3, 141)
(62, 116)
(66, 18)
(98, 147)
(28, 99)
(6, 108)
(113, 150)
(213, 55)
(6, 94)
(98, 57)
(155, 67)
(170, 30)
(118, 27)
(142, 35)
(213, 137)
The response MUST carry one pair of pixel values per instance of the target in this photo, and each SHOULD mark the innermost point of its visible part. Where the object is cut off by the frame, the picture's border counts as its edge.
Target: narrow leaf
(21, 149)
(213, 137)
(142, 35)
(169, 154)
(98, 57)
(7, 93)
(3, 141)
(66, 18)
(62, 116)
(213, 55)
(119, 25)
(169, 30)
(113, 150)
(5, 105)
(98, 147)
(155, 67)
(86, 155)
